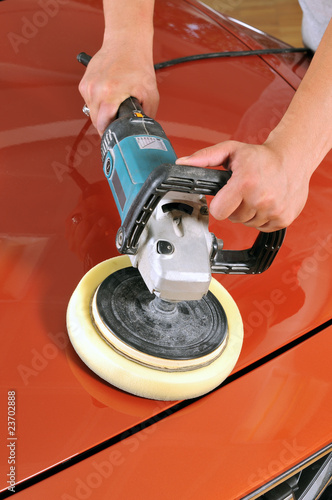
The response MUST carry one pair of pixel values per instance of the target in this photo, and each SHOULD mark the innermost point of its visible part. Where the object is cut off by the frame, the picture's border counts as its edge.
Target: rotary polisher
(153, 322)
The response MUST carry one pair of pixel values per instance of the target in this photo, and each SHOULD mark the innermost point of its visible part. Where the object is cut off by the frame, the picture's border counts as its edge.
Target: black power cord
(85, 58)
(235, 53)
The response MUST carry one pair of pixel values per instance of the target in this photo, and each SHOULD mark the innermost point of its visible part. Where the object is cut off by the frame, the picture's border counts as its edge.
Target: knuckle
(249, 184)
(275, 211)
(82, 87)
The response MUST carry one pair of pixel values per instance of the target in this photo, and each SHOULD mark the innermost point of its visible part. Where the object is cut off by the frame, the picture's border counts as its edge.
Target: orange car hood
(51, 178)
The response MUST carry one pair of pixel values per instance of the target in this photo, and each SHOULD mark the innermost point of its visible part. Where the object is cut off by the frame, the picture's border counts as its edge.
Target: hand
(266, 191)
(114, 74)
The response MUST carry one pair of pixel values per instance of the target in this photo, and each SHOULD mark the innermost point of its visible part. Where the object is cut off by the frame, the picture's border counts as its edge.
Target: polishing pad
(155, 332)
(149, 347)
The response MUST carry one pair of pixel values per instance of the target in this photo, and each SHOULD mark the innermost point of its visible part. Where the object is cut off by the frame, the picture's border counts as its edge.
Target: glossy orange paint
(222, 446)
(58, 219)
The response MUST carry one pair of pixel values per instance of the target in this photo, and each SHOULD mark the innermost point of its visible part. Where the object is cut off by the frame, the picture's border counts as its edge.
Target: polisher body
(132, 146)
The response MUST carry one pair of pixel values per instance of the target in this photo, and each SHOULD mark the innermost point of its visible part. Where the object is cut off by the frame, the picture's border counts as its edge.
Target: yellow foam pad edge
(133, 377)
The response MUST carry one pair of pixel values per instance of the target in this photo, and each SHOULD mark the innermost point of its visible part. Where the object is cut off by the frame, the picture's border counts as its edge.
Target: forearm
(123, 66)
(304, 135)
(129, 23)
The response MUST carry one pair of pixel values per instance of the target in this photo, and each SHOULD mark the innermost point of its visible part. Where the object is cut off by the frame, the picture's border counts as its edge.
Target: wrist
(295, 149)
(131, 45)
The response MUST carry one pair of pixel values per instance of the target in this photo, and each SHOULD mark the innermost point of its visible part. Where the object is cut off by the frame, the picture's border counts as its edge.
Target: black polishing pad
(178, 331)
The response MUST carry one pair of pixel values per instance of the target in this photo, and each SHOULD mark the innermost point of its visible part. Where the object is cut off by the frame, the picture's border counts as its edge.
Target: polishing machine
(153, 322)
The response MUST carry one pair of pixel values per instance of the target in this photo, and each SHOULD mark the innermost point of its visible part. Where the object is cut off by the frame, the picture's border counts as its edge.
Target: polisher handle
(128, 107)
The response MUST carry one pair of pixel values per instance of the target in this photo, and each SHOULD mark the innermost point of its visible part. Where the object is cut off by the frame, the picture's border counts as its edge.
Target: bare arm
(270, 182)
(123, 66)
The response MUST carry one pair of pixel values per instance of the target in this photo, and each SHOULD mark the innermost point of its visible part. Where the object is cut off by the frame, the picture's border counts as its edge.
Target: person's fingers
(226, 201)
(104, 103)
(212, 156)
(150, 103)
(262, 191)
(244, 214)
(229, 198)
(269, 226)
(106, 114)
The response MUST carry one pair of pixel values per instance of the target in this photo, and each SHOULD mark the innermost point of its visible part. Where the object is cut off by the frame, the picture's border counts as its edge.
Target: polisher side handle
(254, 260)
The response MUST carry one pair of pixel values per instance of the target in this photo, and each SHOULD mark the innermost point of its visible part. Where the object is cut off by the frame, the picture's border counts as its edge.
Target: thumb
(212, 156)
